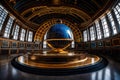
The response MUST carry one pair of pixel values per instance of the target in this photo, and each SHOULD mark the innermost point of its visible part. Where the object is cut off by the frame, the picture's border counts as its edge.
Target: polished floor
(7, 72)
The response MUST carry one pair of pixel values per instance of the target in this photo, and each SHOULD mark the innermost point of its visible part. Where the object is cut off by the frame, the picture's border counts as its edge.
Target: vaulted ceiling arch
(39, 36)
(42, 10)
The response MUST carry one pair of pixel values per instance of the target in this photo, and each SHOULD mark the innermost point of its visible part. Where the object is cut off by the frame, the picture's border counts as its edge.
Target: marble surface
(7, 72)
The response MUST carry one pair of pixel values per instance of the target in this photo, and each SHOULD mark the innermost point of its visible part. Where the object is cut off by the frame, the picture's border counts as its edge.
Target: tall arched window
(92, 33)
(8, 27)
(22, 35)
(3, 14)
(15, 36)
(114, 30)
(99, 35)
(117, 12)
(85, 36)
(105, 27)
(30, 36)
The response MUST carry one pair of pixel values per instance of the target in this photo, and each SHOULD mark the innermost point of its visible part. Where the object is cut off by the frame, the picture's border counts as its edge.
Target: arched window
(99, 35)
(112, 23)
(85, 36)
(117, 12)
(8, 27)
(3, 14)
(30, 36)
(92, 33)
(105, 27)
(22, 36)
(15, 36)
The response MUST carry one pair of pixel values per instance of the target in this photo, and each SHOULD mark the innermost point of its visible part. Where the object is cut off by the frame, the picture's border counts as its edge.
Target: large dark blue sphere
(59, 31)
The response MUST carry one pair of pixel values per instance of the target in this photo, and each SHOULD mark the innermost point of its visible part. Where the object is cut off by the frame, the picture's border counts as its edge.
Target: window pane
(30, 36)
(117, 14)
(92, 33)
(105, 27)
(85, 36)
(3, 14)
(16, 32)
(99, 35)
(112, 23)
(22, 36)
(8, 27)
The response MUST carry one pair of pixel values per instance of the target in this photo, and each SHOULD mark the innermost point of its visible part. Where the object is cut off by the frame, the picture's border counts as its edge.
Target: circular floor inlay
(76, 65)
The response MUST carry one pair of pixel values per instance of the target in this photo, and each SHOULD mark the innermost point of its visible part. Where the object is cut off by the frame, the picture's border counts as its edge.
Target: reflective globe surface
(59, 31)
(59, 37)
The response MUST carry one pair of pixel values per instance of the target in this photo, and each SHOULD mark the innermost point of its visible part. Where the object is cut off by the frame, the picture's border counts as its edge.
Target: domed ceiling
(36, 12)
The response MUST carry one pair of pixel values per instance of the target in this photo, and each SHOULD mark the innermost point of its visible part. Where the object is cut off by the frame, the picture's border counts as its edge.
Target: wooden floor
(7, 72)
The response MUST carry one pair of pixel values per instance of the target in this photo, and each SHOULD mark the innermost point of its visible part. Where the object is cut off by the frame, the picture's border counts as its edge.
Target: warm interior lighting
(56, 2)
(80, 60)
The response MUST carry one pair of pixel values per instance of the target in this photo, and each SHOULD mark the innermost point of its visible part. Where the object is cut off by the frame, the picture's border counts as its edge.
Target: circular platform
(59, 64)
(53, 58)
